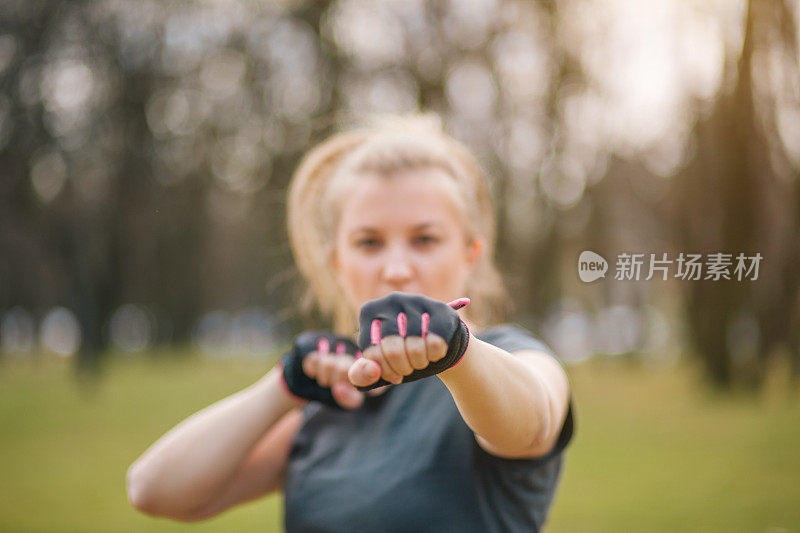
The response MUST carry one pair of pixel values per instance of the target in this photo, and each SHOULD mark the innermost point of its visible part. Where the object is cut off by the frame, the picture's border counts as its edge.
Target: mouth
(403, 288)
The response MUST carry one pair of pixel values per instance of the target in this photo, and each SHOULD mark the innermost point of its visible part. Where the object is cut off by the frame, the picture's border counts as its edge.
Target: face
(402, 234)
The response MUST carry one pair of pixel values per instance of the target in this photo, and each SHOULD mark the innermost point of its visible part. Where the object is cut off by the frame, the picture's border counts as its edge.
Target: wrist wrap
(296, 380)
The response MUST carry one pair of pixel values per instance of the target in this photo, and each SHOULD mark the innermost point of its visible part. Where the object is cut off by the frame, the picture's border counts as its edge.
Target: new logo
(591, 266)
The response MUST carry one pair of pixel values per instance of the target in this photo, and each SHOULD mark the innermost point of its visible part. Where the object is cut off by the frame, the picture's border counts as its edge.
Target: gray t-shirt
(406, 462)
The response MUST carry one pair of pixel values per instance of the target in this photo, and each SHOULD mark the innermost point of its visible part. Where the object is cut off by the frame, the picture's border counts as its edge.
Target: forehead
(404, 199)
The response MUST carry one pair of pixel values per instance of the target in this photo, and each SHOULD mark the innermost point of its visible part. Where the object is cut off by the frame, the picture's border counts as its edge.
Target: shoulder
(522, 343)
(512, 338)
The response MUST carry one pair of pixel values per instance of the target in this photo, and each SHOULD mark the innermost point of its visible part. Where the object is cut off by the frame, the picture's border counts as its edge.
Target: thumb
(347, 396)
(364, 372)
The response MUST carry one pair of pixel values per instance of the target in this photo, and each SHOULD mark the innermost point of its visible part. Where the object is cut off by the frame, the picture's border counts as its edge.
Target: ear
(475, 250)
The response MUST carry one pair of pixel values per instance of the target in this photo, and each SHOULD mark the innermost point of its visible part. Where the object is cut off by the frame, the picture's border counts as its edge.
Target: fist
(406, 337)
(316, 369)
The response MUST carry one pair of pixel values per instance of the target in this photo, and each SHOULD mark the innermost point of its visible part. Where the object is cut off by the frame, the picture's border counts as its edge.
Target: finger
(326, 370)
(346, 395)
(394, 351)
(435, 346)
(322, 369)
(343, 364)
(310, 364)
(341, 348)
(333, 368)
(364, 372)
(374, 353)
(416, 352)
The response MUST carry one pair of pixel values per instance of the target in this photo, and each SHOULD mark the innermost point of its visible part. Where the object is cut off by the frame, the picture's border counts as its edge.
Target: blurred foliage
(652, 451)
(145, 149)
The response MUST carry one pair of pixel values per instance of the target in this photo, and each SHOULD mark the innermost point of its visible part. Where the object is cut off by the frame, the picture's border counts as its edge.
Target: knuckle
(372, 352)
(392, 377)
(399, 362)
(341, 371)
(378, 358)
(436, 351)
(420, 361)
(392, 344)
(309, 366)
(394, 297)
(391, 341)
(415, 345)
(388, 370)
(394, 355)
(369, 309)
(436, 341)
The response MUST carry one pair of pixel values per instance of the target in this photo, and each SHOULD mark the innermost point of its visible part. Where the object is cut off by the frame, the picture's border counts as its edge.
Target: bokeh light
(60, 332)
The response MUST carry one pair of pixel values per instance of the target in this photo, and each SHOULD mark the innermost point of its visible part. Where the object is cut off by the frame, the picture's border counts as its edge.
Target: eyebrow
(418, 227)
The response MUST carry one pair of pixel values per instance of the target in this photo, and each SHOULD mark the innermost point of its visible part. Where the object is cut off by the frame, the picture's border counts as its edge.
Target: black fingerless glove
(296, 380)
(422, 314)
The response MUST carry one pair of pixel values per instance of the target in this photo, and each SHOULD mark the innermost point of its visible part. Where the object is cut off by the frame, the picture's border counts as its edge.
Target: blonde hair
(318, 188)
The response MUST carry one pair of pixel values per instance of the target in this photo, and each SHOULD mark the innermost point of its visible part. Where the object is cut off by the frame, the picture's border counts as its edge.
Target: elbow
(138, 494)
(144, 499)
(541, 435)
(543, 431)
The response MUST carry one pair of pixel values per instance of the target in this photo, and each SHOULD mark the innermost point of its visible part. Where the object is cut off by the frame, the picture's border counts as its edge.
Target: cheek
(356, 272)
(357, 269)
(448, 265)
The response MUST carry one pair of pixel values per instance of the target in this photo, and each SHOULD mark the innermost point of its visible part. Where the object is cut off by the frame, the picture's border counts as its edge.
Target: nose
(398, 269)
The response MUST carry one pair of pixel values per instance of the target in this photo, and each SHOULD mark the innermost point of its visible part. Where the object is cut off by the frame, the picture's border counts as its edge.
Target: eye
(425, 240)
(368, 243)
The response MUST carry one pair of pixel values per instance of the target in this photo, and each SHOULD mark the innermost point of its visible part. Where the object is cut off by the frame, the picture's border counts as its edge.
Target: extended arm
(515, 403)
(190, 468)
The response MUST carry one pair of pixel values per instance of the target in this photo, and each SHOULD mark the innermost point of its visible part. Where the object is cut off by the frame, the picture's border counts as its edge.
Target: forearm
(502, 398)
(193, 462)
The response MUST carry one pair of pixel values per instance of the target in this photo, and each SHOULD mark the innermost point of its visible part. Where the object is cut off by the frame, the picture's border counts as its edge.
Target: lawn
(654, 450)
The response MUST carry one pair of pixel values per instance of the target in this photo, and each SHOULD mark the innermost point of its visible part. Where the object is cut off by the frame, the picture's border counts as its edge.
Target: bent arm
(188, 469)
(514, 403)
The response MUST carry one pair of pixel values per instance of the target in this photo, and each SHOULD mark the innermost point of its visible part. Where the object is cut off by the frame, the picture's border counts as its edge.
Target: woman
(433, 422)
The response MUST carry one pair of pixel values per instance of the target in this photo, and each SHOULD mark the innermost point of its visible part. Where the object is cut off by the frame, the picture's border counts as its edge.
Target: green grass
(654, 450)
(657, 451)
